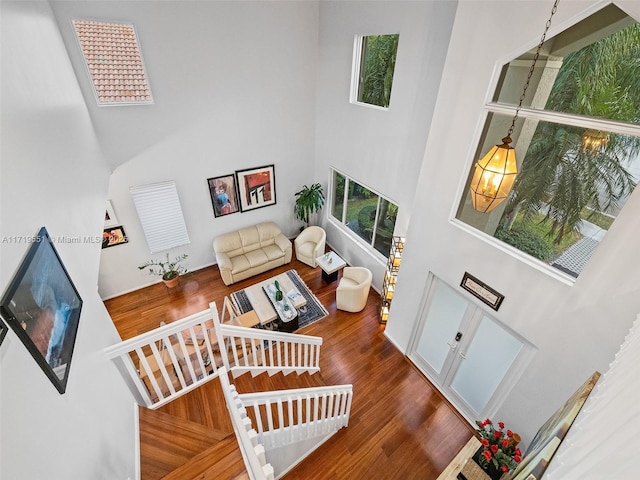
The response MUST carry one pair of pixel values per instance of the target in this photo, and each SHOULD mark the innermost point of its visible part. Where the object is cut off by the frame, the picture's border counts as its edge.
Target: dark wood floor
(400, 426)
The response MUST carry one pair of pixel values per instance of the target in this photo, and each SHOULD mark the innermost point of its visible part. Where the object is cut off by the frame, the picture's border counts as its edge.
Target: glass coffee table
(331, 264)
(261, 302)
(287, 320)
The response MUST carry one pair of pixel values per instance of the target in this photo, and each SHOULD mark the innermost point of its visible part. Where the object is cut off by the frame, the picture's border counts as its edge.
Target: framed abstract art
(256, 187)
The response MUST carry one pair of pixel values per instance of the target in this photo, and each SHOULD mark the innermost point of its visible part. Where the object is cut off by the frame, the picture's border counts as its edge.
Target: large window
(370, 216)
(577, 141)
(373, 65)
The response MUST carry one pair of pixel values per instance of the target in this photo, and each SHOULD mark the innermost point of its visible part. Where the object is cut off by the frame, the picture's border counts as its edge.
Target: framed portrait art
(256, 187)
(224, 195)
(42, 307)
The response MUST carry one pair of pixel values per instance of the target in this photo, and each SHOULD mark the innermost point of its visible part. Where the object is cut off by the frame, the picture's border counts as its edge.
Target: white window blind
(160, 214)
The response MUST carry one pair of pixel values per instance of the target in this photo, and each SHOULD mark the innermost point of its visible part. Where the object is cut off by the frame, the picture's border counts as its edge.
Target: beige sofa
(251, 250)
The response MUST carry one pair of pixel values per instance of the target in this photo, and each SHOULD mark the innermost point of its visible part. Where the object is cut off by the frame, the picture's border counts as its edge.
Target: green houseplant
(309, 200)
(168, 269)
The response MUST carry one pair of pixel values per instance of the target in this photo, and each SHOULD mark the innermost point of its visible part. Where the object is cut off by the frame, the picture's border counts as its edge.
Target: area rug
(307, 314)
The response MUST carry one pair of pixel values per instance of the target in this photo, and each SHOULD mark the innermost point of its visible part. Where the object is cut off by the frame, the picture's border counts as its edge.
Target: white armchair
(353, 289)
(310, 244)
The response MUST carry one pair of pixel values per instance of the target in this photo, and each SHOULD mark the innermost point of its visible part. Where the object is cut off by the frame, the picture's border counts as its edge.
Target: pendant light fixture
(594, 140)
(495, 173)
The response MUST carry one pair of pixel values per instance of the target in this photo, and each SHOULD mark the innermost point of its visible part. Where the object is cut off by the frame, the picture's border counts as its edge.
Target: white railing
(171, 360)
(255, 350)
(284, 417)
(174, 359)
(253, 452)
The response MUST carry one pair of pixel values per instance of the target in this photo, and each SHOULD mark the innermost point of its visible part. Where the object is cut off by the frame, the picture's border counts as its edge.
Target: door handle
(452, 347)
(462, 355)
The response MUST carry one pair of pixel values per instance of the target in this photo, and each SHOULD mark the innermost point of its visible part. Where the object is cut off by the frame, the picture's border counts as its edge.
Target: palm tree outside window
(579, 143)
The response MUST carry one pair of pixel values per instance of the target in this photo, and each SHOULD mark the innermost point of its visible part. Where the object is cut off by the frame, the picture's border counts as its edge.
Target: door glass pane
(338, 195)
(445, 314)
(488, 358)
(361, 211)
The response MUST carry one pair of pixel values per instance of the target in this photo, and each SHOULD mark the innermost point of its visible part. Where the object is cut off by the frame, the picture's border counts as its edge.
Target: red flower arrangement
(498, 446)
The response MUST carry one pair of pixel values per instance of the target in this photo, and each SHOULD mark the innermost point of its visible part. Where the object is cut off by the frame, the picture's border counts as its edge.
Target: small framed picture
(256, 187)
(113, 236)
(224, 195)
(110, 219)
(482, 291)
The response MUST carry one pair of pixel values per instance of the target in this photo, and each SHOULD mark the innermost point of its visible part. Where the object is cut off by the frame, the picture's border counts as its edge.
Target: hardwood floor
(400, 426)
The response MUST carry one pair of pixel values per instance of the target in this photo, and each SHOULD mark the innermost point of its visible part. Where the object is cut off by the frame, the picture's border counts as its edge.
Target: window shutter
(160, 215)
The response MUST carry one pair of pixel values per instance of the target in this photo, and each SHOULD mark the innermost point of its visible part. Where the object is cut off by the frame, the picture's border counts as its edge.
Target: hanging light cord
(535, 59)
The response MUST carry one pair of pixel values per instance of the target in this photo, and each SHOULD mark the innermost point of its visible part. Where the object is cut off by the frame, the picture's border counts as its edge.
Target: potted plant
(169, 270)
(499, 452)
(309, 200)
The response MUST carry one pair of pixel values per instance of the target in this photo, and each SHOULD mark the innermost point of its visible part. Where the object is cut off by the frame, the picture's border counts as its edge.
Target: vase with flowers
(499, 452)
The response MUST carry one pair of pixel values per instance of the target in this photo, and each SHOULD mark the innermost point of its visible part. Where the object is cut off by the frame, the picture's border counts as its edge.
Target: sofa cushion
(257, 257)
(250, 238)
(229, 243)
(239, 264)
(347, 282)
(306, 249)
(273, 252)
(268, 231)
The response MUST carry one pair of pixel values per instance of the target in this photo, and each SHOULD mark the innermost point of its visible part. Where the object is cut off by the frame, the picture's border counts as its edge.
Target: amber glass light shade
(493, 177)
(594, 140)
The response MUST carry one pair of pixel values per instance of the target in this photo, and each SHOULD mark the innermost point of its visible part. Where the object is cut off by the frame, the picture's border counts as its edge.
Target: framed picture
(224, 195)
(548, 438)
(113, 236)
(110, 219)
(256, 187)
(42, 306)
(482, 291)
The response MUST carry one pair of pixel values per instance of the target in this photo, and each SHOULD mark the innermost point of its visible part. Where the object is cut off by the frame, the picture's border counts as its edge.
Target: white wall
(259, 61)
(381, 149)
(576, 328)
(54, 175)
(603, 441)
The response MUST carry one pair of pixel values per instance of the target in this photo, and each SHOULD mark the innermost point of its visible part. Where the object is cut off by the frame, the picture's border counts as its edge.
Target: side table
(331, 264)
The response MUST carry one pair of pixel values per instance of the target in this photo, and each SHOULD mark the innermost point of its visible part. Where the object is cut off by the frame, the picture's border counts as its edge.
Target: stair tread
(154, 418)
(279, 381)
(166, 442)
(207, 448)
(222, 460)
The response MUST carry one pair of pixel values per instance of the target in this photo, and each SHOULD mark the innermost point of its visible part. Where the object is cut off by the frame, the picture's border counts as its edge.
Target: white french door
(469, 356)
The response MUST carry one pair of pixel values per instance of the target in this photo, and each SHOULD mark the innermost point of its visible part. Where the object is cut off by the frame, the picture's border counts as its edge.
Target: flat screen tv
(42, 306)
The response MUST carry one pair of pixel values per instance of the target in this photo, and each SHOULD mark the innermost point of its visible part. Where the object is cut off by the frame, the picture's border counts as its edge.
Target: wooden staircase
(192, 436)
